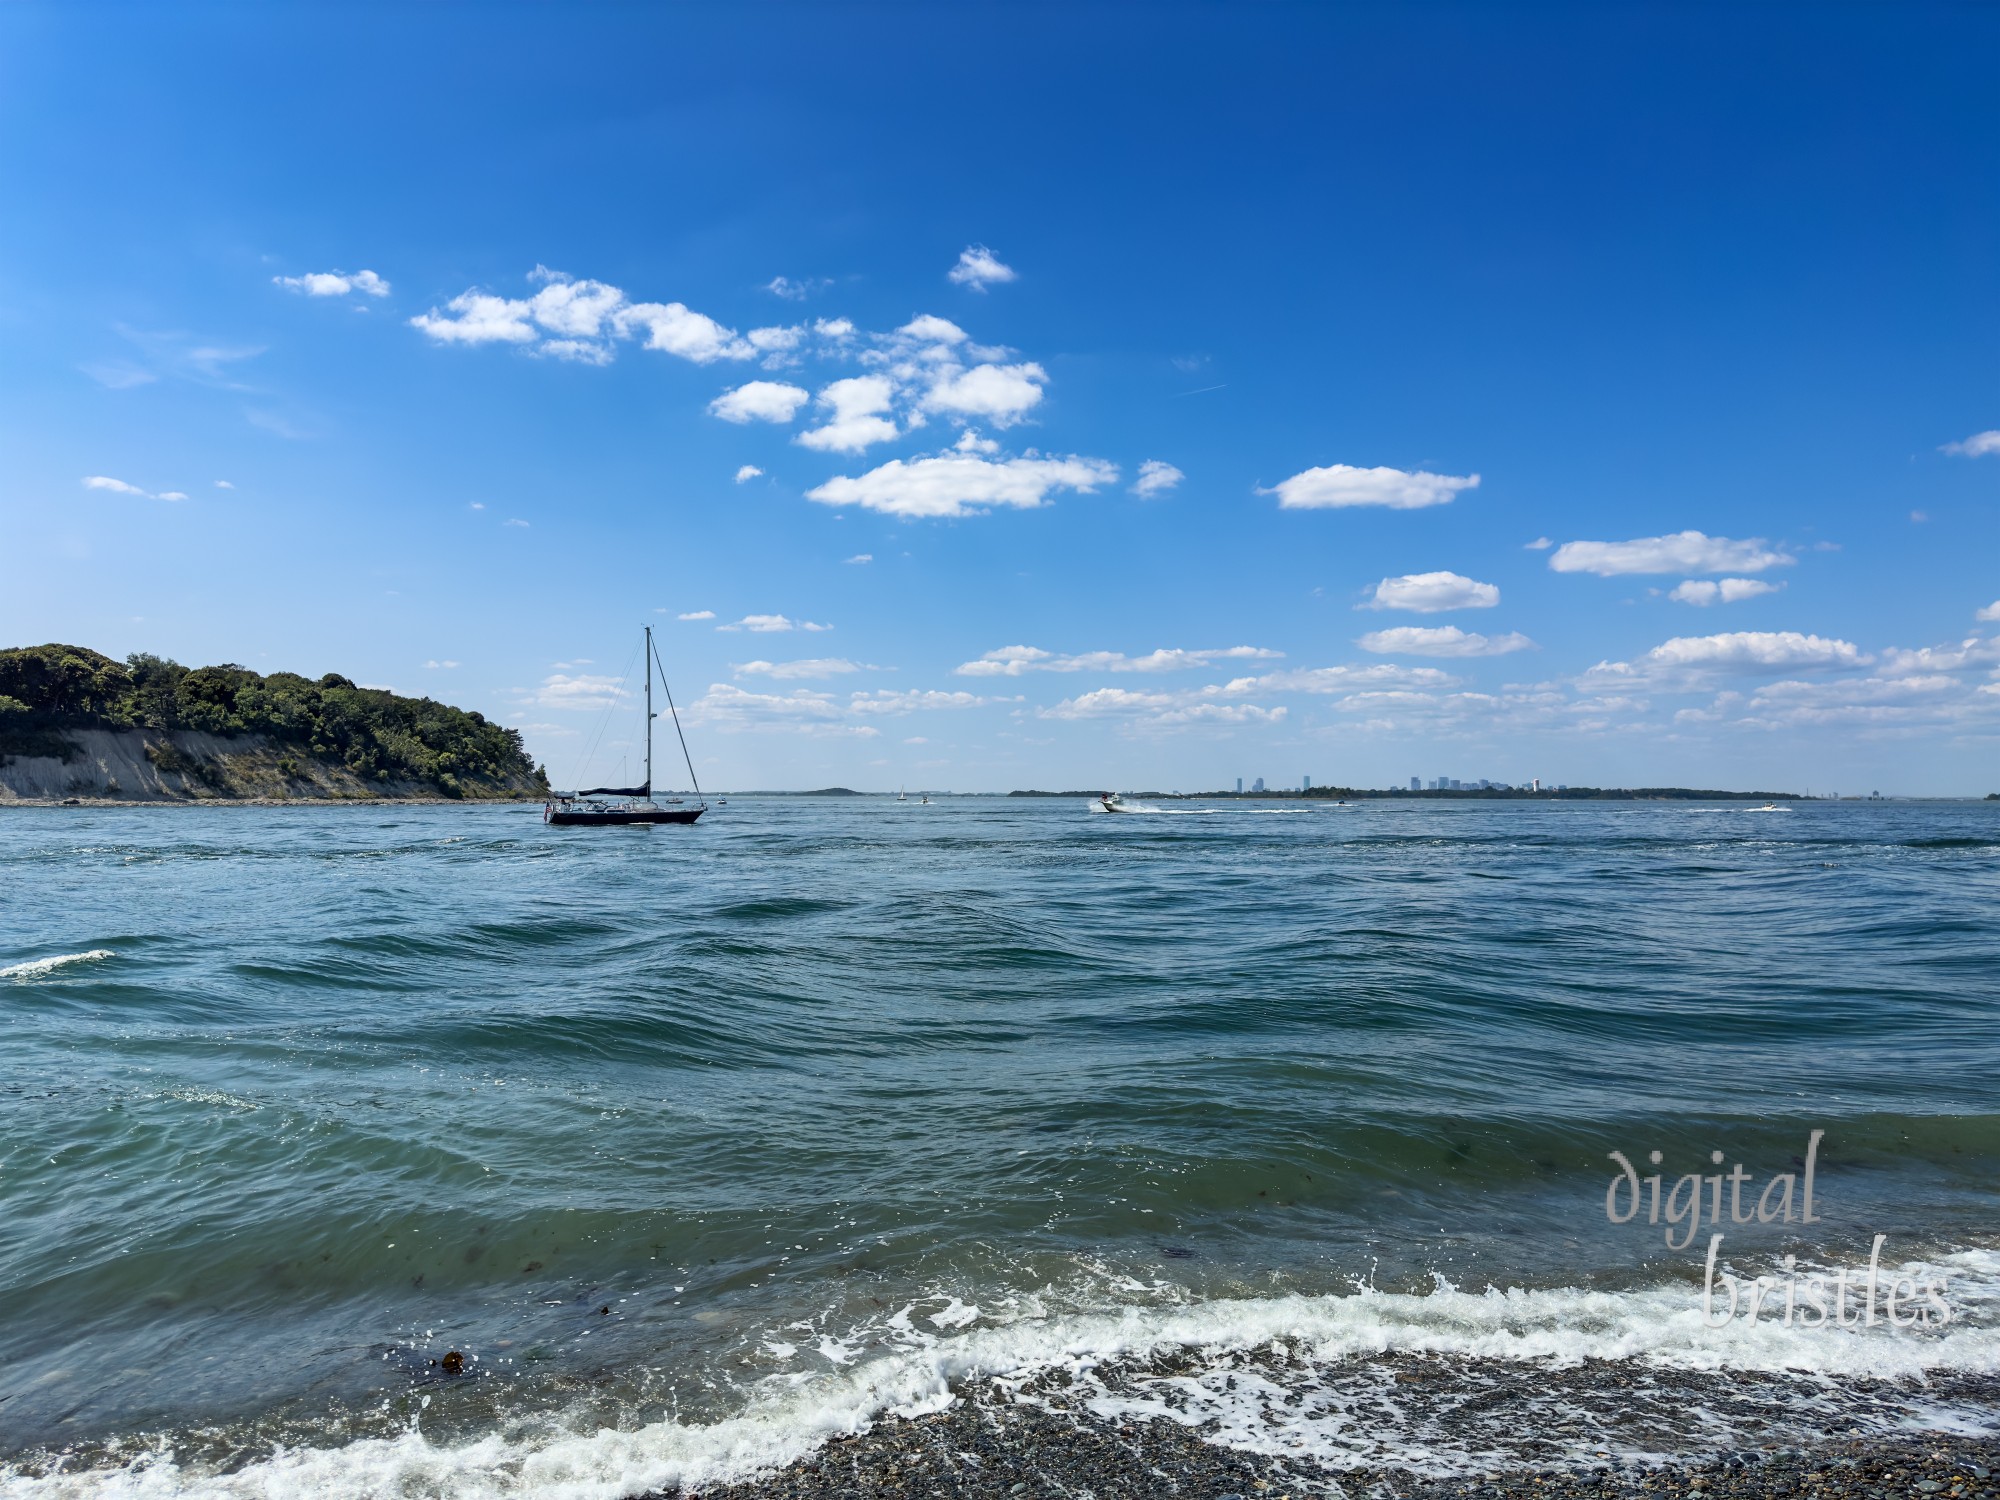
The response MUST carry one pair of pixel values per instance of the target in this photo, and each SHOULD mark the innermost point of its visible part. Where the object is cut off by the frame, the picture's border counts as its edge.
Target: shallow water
(724, 1137)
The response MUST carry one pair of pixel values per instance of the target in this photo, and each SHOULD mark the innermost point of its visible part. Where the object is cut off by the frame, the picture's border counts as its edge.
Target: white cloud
(1991, 612)
(514, 521)
(1440, 640)
(961, 484)
(446, 665)
(1682, 552)
(674, 329)
(889, 701)
(478, 318)
(979, 268)
(928, 328)
(804, 711)
(575, 351)
(1431, 593)
(818, 666)
(1012, 661)
(1001, 394)
(1706, 591)
(223, 484)
(856, 404)
(862, 557)
(1345, 679)
(776, 342)
(1752, 651)
(561, 690)
(335, 283)
(747, 473)
(1539, 544)
(1160, 710)
(1342, 485)
(1976, 446)
(796, 291)
(573, 309)
(697, 614)
(120, 487)
(770, 624)
(760, 401)
(1156, 478)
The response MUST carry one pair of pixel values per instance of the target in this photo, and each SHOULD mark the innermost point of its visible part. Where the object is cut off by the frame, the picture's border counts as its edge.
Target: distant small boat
(923, 800)
(1112, 802)
(636, 805)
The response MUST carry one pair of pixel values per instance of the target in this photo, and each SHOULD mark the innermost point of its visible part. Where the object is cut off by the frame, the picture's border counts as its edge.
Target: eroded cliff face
(185, 766)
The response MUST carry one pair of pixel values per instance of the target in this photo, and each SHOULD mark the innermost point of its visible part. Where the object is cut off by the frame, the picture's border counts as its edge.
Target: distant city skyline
(1098, 437)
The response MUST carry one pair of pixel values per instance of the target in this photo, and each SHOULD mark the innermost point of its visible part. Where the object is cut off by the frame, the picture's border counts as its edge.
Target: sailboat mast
(649, 710)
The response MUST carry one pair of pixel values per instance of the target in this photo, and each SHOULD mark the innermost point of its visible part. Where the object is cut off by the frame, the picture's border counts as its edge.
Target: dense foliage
(376, 734)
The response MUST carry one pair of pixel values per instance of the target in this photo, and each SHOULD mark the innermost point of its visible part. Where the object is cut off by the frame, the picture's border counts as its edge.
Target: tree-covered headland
(49, 693)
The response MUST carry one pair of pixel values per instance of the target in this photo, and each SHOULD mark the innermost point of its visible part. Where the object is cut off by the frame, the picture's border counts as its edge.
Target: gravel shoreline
(974, 1452)
(1511, 1431)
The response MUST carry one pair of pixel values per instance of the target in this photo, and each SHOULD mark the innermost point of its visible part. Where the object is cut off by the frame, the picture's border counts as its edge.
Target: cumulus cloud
(979, 268)
(120, 487)
(803, 711)
(1012, 661)
(862, 557)
(445, 665)
(673, 328)
(1001, 394)
(747, 473)
(1977, 446)
(1682, 552)
(1432, 593)
(1707, 591)
(1156, 478)
(890, 701)
(581, 319)
(1346, 679)
(1991, 612)
(697, 614)
(581, 691)
(478, 318)
(796, 290)
(334, 283)
(1752, 651)
(963, 484)
(1160, 710)
(1341, 485)
(1440, 640)
(857, 405)
(759, 401)
(771, 624)
(818, 666)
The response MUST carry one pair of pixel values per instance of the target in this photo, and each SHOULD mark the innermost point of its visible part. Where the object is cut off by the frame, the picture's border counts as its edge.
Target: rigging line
(603, 723)
(692, 779)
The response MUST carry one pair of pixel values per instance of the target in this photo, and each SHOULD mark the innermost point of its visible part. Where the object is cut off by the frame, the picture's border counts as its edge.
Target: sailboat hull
(598, 817)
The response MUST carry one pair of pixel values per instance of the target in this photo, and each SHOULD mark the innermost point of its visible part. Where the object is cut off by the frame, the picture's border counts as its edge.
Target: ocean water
(432, 1151)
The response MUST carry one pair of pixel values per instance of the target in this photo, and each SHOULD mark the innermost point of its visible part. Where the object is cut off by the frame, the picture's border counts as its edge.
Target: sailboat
(583, 809)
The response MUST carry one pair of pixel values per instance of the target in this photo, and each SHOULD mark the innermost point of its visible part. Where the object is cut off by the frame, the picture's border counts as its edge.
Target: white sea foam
(1235, 1344)
(35, 968)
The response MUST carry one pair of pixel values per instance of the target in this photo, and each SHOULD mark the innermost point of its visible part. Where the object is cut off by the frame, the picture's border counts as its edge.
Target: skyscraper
(1416, 783)
(1305, 783)
(1239, 785)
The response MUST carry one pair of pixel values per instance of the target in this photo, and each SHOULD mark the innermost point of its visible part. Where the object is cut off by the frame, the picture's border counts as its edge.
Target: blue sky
(1136, 395)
